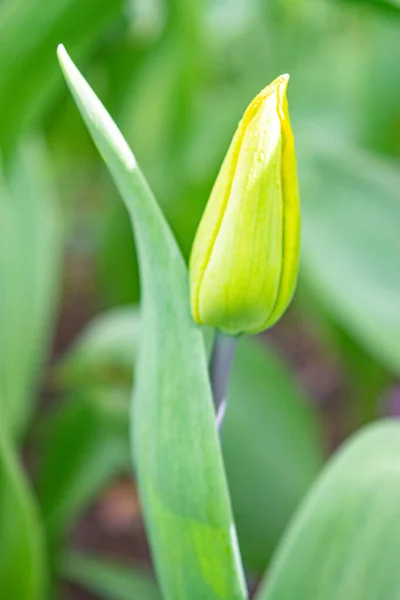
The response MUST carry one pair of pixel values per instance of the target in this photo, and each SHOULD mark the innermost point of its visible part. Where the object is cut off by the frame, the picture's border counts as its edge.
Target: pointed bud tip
(280, 82)
(283, 81)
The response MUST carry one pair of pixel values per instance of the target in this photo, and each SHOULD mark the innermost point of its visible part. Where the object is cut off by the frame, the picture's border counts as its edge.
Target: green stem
(220, 367)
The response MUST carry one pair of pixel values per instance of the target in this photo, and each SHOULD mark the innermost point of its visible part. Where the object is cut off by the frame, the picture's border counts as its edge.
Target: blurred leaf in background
(104, 353)
(84, 445)
(351, 244)
(344, 541)
(29, 77)
(110, 580)
(272, 449)
(22, 555)
(30, 267)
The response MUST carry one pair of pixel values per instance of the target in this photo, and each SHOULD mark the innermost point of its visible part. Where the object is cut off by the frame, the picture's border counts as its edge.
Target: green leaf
(345, 541)
(391, 7)
(83, 446)
(30, 263)
(28, 33)
(177, 453)
(272, 449)
(109, 580)
(22, 565)
(106, 349)
(351, 212)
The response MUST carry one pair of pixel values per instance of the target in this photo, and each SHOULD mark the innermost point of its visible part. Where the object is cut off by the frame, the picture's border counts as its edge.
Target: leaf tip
(63, 59)
(61, 53)
(67, 66)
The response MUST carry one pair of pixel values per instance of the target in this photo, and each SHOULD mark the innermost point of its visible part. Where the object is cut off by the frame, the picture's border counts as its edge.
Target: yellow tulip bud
(244, 261)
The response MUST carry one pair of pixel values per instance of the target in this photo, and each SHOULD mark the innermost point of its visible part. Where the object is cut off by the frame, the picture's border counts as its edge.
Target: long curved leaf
(345, 541)
(179, 464)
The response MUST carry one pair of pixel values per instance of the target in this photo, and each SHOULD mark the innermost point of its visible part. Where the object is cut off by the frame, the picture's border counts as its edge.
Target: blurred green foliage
(176, 76)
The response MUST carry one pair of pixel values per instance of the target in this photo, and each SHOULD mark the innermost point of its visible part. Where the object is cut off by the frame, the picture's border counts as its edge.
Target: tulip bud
(245, 256)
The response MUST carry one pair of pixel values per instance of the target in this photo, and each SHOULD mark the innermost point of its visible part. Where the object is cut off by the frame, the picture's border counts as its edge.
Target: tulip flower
(244, 261)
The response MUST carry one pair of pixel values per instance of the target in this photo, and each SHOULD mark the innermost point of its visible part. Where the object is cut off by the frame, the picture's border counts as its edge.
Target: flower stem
(220, 367)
